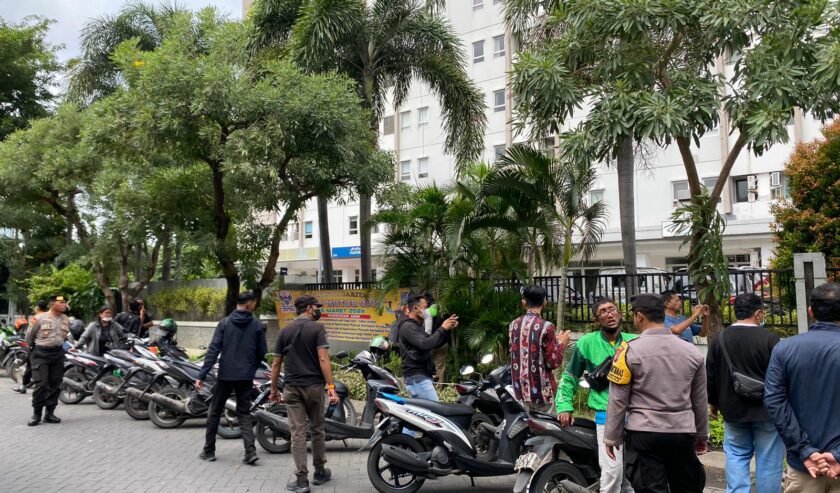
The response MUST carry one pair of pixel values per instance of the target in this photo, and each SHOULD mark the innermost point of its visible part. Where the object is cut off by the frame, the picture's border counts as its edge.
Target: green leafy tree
(266, 136)
(652, 71)
(28, 69)
(383, 47)
(810, 220)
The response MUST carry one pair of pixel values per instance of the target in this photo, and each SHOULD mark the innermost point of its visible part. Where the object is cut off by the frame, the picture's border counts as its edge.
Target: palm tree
(559, 188)
(94, 74)
(383, 47)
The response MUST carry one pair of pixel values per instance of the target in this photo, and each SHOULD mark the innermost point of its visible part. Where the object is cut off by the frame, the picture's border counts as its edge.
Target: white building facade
(413, 132)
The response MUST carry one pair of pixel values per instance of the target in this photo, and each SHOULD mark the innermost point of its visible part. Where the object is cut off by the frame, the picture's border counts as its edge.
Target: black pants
(47, 373)
(663, 463)
(242, 389)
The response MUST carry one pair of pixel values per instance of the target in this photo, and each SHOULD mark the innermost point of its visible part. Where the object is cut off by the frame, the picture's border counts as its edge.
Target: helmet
(77, 328)
(168, 327)
(379, 344)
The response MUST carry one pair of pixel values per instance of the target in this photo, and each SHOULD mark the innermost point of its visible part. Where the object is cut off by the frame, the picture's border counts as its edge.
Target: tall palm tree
(383, 46)
(559, 188)
(94, 74)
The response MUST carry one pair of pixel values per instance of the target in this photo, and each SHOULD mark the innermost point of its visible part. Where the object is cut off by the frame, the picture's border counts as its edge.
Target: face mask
(107, 319)
(316, 314)
(426, 313)
(610, 330)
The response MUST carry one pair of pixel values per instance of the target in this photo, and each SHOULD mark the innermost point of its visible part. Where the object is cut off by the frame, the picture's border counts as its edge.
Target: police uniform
(658, 395)
(47, 359)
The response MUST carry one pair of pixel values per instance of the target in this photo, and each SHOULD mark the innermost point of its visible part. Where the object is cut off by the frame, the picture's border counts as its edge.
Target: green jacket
(590, 351)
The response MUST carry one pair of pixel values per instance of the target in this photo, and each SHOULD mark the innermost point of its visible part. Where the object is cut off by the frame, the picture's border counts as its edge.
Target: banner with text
(353, 315)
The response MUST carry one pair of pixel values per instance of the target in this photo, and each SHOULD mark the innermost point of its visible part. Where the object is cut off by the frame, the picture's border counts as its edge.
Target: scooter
(480, 395)
(81, 371)
(273, 430)
(558, 458)
(398, 462)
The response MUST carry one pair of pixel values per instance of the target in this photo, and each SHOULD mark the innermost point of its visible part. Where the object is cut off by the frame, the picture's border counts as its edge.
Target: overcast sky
(71, 15)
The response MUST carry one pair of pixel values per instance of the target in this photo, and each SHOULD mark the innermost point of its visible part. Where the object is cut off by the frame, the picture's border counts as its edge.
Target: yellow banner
(348, 315)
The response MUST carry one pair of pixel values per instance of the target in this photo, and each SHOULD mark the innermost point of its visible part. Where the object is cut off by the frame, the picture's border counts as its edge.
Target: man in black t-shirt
(304, 347)
(135, 320)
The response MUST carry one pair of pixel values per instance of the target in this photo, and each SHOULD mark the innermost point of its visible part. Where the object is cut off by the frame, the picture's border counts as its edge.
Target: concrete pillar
(809, 271)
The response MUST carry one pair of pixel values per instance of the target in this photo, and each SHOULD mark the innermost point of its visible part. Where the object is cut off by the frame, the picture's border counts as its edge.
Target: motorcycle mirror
(467, 370)
(341, 354)
(487, 359)
(583, 383)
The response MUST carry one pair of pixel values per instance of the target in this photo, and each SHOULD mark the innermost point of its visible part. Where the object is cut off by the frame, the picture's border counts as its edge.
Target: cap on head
(245, 297)
(304, 301)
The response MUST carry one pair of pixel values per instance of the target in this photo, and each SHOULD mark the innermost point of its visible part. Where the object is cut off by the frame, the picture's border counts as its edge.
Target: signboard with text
(354, 315)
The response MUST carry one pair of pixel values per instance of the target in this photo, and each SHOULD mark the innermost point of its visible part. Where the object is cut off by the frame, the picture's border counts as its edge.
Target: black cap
(305, 300)
(644, 302)
(245, 297)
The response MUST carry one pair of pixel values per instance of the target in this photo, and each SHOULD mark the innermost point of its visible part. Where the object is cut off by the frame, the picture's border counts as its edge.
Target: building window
(354, 225)
(478, 4)
(499, 100)
(742, 188)
(738, 260)
(478, 51)
(499, 46)
(681, 192)
(357, 275)
(291, 233)
(405, 119)
(405, 170)
(422, 116)
(596, 196)
(373, 275)
(307, 229)
(423, 167)
(338, 276)
(497, 2)
(388, 125)
(498, 153)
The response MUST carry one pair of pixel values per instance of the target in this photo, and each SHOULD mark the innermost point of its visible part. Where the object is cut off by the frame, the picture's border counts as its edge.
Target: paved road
(94, 450)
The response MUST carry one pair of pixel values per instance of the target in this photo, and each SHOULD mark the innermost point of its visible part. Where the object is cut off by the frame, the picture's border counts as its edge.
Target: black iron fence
(775, 286)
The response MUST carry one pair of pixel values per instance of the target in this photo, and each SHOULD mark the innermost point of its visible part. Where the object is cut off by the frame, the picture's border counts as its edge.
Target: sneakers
(250, 459)
(20, 389)
(321, 476)
(207, 456)
(298, 485)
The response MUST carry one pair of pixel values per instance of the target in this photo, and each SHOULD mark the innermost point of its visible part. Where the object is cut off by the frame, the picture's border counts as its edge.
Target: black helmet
(77, 328)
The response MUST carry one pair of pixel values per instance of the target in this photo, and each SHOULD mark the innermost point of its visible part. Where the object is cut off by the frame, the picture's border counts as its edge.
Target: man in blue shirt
(684, 327)
(802, 397)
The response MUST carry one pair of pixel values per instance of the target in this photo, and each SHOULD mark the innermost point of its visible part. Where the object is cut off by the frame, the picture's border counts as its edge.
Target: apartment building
(413, 132)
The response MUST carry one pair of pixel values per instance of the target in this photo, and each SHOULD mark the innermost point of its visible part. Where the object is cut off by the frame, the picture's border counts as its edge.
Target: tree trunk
(561, 300)
(138, 261)
(364, 240)
(234, 284)
(166, 266)
(324, 239)
(626, 199)
(270, 269)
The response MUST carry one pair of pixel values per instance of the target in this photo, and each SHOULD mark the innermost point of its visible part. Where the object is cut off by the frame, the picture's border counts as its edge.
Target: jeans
(420, 387)
(224, 388)
(741, 441)
(306, 404)
(613, 479)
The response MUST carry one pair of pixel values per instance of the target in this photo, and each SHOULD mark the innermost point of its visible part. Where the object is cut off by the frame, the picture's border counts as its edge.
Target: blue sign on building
(347, 252)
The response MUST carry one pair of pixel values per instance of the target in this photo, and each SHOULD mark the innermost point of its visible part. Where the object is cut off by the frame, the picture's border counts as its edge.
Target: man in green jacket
(591, 351)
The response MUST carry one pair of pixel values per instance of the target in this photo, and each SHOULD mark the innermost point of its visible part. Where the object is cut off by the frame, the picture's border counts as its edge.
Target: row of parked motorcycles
(486, 433)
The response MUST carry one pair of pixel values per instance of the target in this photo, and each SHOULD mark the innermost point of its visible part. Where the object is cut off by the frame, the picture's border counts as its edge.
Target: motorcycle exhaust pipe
(405, 459)
(169, 403)
(137, 394)
(73, 384)
(104, 387)
(277, 423)
(567, 486)
(230, 405)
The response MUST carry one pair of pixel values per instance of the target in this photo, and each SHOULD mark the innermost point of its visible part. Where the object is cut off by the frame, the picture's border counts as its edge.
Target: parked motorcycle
(399, 462)
(15, 352)
(480, 395)
(81, 371)
(563, 459)
(273, 430)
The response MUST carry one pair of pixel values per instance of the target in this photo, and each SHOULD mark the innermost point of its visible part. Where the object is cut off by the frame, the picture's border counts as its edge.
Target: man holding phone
(417, 347)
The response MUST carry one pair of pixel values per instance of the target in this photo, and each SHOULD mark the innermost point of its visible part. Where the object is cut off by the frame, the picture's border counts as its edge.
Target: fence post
(809, 271)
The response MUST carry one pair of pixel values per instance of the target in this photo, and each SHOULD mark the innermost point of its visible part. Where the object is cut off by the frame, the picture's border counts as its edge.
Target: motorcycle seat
(585, 423)
(441, 408)
(99, 359)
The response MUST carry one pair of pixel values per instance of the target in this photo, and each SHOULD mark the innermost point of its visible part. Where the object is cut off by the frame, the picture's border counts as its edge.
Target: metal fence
(330, 286)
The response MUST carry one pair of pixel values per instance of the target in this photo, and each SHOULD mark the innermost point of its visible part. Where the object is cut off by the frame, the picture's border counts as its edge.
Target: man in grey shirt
(658, 385)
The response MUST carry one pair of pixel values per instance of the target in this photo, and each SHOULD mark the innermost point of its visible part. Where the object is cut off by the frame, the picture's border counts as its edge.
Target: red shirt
(534, 352)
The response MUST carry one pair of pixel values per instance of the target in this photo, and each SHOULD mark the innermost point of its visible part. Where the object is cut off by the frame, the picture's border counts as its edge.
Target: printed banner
(352, 315)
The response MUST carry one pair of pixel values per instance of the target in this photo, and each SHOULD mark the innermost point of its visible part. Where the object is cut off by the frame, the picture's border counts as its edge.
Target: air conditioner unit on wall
(752, 197)
(752, 182)
(775, 179)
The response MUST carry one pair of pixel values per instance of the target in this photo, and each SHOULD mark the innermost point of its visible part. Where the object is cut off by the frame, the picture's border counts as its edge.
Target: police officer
(658, 388)
(48, 335)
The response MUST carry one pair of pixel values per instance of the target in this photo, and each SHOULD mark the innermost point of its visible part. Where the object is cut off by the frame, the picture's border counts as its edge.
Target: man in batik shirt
(535, 350)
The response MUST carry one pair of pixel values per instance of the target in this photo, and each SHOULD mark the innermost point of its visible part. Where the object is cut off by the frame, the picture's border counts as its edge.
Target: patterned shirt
(534, 352)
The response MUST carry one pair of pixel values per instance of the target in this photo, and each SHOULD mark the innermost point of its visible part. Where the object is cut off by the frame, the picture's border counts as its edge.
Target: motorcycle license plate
(529, 460)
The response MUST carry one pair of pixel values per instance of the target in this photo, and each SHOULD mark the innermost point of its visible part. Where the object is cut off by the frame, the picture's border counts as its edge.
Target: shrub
(189, 303)
(73, 281)
(716, 431)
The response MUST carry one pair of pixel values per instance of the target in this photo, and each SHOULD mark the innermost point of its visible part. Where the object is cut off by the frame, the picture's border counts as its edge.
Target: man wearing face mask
(416, 347)
(593, 354)
(303, 345)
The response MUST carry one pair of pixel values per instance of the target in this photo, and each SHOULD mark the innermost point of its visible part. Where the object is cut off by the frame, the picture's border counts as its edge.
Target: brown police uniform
(48, 335)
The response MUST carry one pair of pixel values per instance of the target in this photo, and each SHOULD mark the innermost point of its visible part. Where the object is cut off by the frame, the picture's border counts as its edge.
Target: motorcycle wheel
(68, 395)
(163, 417)
(346, 413)
(136, 408)
(391, 479)
(229, 425)
(479, 436)
(104, 400)
(549, 478)
(12, 364)
(271, 441)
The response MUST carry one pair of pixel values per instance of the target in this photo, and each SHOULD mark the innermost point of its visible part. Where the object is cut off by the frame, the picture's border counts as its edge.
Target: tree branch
(727, 166)
(690, 166)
